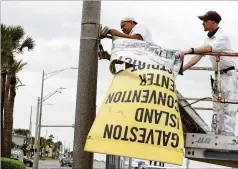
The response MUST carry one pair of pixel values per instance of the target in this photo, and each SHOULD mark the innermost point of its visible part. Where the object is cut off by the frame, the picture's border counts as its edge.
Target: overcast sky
(55, 26)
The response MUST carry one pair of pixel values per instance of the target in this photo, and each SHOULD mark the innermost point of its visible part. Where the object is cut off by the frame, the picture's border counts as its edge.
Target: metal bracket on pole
(204, 147)
(209, 141)
(211, 154)
(89, 38)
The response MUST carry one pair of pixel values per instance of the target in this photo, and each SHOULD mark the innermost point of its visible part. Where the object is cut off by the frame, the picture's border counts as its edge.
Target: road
(54, 164)
(51, 164)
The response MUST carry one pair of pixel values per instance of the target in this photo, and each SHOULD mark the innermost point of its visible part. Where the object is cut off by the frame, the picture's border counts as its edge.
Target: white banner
(141, 53)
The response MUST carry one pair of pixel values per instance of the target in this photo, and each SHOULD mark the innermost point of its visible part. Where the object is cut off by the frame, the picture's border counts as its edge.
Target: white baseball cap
(125, 19)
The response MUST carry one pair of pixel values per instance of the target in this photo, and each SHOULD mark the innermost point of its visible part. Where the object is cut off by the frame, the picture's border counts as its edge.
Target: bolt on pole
(87, 82)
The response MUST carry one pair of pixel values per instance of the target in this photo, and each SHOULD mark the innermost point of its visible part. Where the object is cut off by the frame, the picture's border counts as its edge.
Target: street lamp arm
(53, 73)
(51, 94)
(56, 72)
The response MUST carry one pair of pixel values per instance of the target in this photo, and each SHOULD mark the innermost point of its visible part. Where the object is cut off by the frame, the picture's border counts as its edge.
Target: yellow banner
(139, 117)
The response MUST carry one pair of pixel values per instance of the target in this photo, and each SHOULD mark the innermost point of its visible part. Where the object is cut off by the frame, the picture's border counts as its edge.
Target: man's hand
(181, 54)
(114, 32)
(192, 62)
(104, 55)
(184, 52)
(117, 33)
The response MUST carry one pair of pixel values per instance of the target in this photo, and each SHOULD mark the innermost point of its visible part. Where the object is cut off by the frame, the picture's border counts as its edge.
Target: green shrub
(7, 163)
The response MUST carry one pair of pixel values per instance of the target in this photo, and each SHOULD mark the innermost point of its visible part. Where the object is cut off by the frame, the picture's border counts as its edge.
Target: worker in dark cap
(218, 41)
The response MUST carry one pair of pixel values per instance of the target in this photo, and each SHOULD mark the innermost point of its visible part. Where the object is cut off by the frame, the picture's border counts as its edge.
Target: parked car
(14, 157)
(66, 161)
(28, 162)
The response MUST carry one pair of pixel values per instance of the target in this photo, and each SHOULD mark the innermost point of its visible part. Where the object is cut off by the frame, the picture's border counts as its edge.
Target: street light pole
(36, 157)
(30, 130)
(87, 82)
(41, 103)
(35, 163)
(39, 129)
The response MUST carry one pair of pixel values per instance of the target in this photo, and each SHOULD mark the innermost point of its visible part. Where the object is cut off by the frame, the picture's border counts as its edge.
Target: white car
(66, 161)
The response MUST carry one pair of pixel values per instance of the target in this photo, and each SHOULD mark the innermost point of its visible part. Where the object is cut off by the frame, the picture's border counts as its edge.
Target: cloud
(44, 20)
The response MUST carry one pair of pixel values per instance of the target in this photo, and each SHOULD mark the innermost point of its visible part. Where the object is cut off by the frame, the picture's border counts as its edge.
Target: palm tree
(51, 136)
(6, 55)
(13, 42)
(23, 132)
(14, 81)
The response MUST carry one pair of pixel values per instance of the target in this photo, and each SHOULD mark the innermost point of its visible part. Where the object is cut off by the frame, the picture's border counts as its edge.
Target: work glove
(104, 55)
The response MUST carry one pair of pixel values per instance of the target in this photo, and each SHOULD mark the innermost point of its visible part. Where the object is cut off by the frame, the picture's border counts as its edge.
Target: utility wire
(209, 98)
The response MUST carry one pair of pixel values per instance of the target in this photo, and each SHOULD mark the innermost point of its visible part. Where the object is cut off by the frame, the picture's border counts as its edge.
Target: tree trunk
(12, 95)
(7, 119)
(3, 82)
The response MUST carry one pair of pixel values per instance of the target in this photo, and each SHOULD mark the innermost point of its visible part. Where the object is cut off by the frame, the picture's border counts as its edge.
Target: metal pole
(202, 108)
(40, 116)
(30, 128)
(57, 126)
(223, 54)
(204, 68)
(208, 99)
(64, 146)
(124, 162)
(219, 94)
(187, 163)
(200, 99)
(36, 134)
(87, 82)
(29, 134)
(45, 140)
(130, 162)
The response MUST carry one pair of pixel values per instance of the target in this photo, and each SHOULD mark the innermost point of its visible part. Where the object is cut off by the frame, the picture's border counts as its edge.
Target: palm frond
(18, 65)
(18, 80)
(19, 83)
(12, 42)
(3, 27)
(6, 45)
(17, 33)
(27, 43)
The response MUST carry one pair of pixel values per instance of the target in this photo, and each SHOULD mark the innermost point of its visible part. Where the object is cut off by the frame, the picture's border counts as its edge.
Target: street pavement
(54, 164)
(51, 164)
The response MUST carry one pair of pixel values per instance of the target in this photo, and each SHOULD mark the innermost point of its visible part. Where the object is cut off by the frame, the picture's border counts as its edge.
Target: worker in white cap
(217, 41)
(132, 30)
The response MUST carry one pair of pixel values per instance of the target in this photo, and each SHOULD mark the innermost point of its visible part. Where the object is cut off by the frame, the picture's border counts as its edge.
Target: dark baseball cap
(211, 15)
